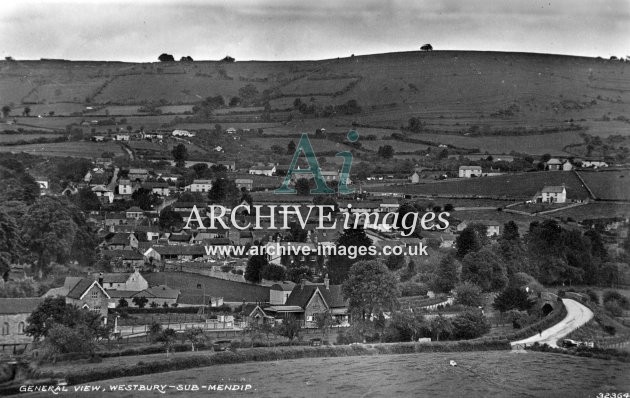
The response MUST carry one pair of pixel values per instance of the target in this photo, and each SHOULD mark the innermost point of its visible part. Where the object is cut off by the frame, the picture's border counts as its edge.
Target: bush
(469, 325)
(612, 295)
(468, 294)
(592, 295)
(614, 308)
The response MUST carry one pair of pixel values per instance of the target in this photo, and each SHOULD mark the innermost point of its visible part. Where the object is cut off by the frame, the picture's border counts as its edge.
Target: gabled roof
(301, 295)
(470, 168)
(84, 286)
(553, 189)
(160, 291)
(134, 209)
(23, 305)
(554, 161)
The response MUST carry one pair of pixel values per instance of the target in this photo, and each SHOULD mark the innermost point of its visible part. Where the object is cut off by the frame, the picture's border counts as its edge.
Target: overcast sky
(296, 30)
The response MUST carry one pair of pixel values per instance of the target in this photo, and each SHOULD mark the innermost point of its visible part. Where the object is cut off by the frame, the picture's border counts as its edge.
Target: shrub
(612, 295)
(469, 325)
(468, 294)
(614, 308)
(413, 289)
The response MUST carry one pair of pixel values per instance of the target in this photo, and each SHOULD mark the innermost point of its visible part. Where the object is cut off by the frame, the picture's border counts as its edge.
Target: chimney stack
(327, 282)
(302, 283)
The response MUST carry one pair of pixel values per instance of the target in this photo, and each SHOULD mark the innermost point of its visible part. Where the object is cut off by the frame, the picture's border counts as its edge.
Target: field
(477, 374)
(7, 138)
(609, 185)
(595, 210)
(73, 149)
(516, 186)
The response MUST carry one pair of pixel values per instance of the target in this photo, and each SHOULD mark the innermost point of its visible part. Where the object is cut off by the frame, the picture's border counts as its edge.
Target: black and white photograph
(275, 198)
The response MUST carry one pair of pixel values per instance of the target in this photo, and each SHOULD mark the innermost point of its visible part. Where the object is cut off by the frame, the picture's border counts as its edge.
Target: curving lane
(577, 315)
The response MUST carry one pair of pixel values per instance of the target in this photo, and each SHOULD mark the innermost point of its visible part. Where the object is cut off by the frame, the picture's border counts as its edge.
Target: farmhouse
(200, 186)
(469, 171)
(414, 178)
(263, 170)
(182, 133)
(125, 187)
(552, 194)
(231, 130)
(554, 164)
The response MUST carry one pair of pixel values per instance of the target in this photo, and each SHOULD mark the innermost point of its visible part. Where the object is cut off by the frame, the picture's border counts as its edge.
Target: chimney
(100, 279)
(327, 282)
(302, 283)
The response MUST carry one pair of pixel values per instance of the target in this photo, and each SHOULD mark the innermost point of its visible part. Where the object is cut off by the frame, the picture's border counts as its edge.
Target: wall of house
(315, 306)
(12, 329)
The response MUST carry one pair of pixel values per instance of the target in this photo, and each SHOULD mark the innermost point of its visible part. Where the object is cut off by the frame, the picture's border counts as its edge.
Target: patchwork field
(477, 374)
(516, 186)
(73, 149)
(609, 184)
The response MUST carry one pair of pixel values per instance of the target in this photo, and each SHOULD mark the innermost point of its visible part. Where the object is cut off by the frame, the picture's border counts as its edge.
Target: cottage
(125, 187)
(121, 241)
(231, 130)
(230, 165)
(246, 183)
(89, 295)
(554, 164)
(123, 260)
(159, 188)
(134, 212)
(163, 253)
(263, 170)
(182, 133)
(414, 178)
(138, 174)
(567, 166)
(104, 194)
(469, 171)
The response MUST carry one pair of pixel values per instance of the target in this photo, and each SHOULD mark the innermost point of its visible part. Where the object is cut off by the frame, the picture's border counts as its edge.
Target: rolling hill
(451, 91)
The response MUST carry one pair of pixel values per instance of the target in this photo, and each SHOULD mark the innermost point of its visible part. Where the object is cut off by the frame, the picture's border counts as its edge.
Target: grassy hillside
(451, 91)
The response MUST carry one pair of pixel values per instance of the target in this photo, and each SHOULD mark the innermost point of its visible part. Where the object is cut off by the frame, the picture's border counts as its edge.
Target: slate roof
(553, 189)
(24, 305)
(80, 288)
(160, 291)
(301, 295)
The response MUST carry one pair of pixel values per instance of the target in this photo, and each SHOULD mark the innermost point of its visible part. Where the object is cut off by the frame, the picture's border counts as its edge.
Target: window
(94, 293)
(21, 328)
(309, 318)
(96, 309)
(5, 329)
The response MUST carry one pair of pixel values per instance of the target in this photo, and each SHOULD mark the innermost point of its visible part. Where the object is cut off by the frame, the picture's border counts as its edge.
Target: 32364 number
(613, 395)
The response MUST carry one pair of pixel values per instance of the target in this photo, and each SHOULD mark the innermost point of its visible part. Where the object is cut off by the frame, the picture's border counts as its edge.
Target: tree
(6, 111)
(352, 240)
(140, 302)
(164, 57)
(87, 200)
(228, 59)
(426, 47)
(122, 303)
(468, 294)
(180, 155)
(409, 325)
(195, 336)
(144, 198)
(441, 326)
(291, 148)
(273, 272)
(224, 192)
(513, 298)
(395, 262)
(470, 325)
(26, 112)
(324, 322)
(303, 186)
(167, 338)
(470, 240)
(386, 152)
(446, 276)
(371, 289)
(255, 267)
(169, 219)
(484, 268)
(510, 231)
(290, 328)
(186, 58)
(11, 245)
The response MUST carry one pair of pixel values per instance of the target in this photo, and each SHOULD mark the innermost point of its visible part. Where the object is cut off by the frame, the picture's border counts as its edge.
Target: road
(577, 315)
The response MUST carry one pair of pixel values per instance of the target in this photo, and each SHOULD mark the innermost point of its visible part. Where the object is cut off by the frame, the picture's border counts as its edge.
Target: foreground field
(477, 374)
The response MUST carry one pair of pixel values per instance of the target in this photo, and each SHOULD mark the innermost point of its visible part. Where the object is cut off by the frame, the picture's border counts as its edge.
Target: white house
(122, 137)
(125, 187)
(263, 170)
(554, 194)
(182, 133)
(105, 194)
(200, 186)
(469, 171)
(554, 164)
(231, 130)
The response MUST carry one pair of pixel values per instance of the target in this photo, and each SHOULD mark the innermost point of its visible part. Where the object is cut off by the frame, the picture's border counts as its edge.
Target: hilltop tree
(426, 47)
(6, 111)
(228, 59)
(164, 57)
(26, 111)
(371, 289)
(186, 58)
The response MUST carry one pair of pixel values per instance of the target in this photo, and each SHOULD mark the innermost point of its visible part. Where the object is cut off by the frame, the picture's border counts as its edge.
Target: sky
(139, 31)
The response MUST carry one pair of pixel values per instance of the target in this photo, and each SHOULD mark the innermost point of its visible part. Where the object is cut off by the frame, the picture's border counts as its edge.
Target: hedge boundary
(269, 354)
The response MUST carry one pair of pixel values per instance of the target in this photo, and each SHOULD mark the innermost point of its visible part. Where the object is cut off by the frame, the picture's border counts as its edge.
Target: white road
(577, 315)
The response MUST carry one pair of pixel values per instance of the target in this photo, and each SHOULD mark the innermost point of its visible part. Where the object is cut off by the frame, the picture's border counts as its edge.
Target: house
(200, 186)
(280, 292)
(230, 165)
(121, 241)
(134, 212)
(494, 228)
(263, 170)
(179, 239)
(594, 164)
(389, 207)
(159, 188)
(123, 260)
(182, 133)
(124, 187)
(159, 295)
(98, 138)
(113, 218)
(447, 240)
(469, 171)
(553, 194)
(13, 315)
(231, 130)
(309, 299)
(104, 194)
(567, 166)
(89, 295)
(121, 137)
(246, 183)
(119, 281)
(163, 253)
(414, 178)
(554, 164)
(43, 184)
(138, 174)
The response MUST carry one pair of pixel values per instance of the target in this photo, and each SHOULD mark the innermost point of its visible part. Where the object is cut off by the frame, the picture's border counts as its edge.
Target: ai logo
(313, 168)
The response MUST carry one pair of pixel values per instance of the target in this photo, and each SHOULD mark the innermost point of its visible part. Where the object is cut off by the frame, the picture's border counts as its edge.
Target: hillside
(451, 91)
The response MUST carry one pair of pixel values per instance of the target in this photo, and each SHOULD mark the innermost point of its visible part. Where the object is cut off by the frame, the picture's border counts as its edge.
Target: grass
(477, 374)
(608, 184)
(595, 210)
(521, 186)
(73, 149)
